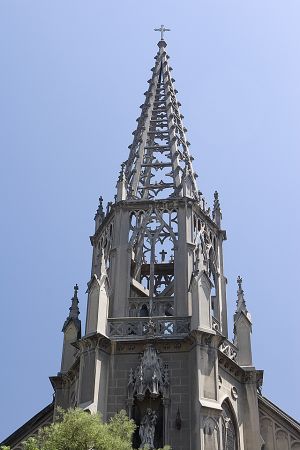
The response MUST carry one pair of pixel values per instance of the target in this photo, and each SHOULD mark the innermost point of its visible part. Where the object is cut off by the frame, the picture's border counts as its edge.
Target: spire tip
(162, 30)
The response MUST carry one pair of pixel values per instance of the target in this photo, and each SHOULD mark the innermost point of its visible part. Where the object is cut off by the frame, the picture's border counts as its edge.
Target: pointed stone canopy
(159, 163)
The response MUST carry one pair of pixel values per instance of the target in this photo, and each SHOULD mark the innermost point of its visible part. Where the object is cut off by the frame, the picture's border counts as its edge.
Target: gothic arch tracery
(152, 243)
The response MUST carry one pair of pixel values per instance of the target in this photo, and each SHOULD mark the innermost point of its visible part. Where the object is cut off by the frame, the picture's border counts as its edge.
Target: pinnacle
(216, 200)
(240, 303)
(99, 210)
(74, 310)
(122, 172)
(216, 213)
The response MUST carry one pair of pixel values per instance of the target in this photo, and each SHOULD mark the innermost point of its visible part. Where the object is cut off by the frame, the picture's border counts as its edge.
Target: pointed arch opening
(229, 427)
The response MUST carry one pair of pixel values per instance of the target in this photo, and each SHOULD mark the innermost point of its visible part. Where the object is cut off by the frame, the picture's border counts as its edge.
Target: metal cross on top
(162, 30)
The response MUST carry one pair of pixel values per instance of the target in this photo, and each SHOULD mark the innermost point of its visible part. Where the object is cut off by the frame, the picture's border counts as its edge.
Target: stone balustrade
(146, 326)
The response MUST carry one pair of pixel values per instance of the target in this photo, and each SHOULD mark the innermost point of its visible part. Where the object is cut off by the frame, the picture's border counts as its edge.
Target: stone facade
(156, 337)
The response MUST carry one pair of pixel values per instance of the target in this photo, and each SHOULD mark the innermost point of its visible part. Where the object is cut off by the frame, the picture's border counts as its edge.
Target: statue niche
(148, 394)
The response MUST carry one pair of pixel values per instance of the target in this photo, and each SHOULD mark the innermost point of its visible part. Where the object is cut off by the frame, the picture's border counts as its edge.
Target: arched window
(228, 429)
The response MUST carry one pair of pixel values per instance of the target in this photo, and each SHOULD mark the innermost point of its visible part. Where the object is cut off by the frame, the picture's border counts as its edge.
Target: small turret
(72, 332)
(242, 328)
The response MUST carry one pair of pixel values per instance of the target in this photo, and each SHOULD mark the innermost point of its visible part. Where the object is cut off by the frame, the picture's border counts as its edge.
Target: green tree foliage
(78, 430)
(75, 429)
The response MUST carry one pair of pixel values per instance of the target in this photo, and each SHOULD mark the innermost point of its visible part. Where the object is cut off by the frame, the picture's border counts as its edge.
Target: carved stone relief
(150, 376)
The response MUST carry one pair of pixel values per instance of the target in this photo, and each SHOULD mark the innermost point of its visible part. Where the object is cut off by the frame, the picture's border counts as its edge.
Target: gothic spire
(159, 163)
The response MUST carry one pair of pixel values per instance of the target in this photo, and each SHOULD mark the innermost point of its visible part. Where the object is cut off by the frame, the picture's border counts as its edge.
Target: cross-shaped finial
(162, 30)
(239, 282)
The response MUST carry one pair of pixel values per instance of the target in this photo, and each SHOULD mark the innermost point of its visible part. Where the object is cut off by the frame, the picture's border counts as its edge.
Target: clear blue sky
(72, 77)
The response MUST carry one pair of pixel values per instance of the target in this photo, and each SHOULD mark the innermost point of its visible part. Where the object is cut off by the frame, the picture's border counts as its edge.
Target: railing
(149, 326)
(229, 349)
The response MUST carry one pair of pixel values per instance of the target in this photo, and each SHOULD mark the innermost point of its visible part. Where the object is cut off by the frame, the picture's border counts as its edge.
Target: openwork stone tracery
(159, 161)
(152, 241)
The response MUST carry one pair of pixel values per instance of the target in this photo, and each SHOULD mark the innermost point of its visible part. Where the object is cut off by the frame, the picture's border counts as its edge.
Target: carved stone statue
(147, 429)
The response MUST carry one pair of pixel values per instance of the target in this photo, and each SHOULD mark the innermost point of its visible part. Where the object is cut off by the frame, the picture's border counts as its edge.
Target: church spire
(159, 163)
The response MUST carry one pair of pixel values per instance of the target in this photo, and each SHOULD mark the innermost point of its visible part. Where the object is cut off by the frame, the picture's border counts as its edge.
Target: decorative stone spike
(242, 328)
(100, 215)
(74, 310)
(240, 303)
(217, 214)
(121, 185)
(122, 172)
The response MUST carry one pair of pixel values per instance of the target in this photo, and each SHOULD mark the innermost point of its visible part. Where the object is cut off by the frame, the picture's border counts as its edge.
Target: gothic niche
(148, 395)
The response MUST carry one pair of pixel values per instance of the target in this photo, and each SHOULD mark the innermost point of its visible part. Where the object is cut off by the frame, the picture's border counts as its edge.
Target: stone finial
(100, 213)
(162, 30)
(100, 206)
(239, 283)
(216, 200)
(216, 213)
(74, 310)
(108, 207)
(122, 172)
(240, 303)
(122, 183)
(242, 328)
